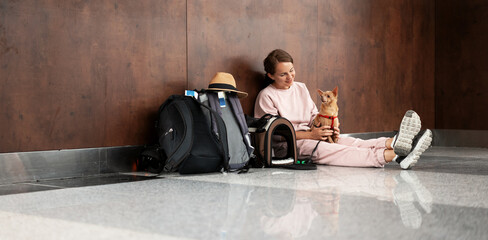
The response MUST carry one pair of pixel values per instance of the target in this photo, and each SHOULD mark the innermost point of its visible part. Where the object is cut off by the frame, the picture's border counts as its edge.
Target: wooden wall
(380, 53)
(78, 74)
(461, 65)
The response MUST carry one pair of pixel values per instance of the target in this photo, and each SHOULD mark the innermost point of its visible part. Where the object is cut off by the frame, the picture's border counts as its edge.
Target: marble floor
(444, 197)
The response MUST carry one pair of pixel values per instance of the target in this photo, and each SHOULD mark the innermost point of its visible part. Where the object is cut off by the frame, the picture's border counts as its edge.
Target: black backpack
(187, 143)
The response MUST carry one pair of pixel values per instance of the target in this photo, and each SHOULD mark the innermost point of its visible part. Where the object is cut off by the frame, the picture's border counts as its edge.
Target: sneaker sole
(409, 128)
(422, 145)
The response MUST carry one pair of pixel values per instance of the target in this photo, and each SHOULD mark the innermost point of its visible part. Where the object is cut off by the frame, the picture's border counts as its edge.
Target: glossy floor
(444, 197)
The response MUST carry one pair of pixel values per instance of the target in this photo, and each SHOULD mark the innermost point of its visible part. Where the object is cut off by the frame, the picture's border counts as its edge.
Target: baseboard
(41, 165)
(460, 138)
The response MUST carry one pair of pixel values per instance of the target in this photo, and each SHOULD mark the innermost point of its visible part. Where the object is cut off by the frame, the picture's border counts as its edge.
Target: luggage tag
(191, 94)
(221, 96)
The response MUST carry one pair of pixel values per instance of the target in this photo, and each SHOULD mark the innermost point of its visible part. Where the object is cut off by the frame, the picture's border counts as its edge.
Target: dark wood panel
(462, 64)
(371, 50)
(424, 61)
(87, 73)
(236, 36)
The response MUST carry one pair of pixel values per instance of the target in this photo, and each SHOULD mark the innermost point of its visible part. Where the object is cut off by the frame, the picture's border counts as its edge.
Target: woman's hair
(274, 57)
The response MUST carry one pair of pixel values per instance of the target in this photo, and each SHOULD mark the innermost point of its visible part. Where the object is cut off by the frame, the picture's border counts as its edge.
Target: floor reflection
(12, 168)
(306, 209)
(406, 193)
(291, 214)
(280, 213)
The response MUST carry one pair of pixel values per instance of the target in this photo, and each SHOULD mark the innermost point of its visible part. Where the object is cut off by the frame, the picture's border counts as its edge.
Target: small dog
(328, 112)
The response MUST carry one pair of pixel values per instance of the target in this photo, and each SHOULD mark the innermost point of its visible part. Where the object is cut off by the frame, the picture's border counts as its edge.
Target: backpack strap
(241, 119)
(213, 101)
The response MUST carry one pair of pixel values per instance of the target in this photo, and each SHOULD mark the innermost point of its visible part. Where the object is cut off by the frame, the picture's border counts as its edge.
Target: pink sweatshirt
(294, 103)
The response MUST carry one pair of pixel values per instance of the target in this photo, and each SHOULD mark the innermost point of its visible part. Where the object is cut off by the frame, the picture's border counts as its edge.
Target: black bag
(187, 140)
(151, 159)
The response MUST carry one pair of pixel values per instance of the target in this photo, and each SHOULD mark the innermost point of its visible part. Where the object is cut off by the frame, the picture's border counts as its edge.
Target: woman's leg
(388, 143)
(344, 155)
(381, 142)
(389, 155)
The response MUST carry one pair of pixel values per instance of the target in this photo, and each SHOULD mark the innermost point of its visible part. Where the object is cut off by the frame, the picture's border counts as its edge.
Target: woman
(291, 99)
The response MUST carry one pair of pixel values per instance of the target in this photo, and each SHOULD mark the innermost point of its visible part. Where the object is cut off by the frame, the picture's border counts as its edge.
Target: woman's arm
(264, 104)
(303, 135)
(320, 133)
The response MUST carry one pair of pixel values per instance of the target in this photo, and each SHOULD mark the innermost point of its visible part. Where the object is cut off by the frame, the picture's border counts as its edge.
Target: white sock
(395, 158)
(393, 142)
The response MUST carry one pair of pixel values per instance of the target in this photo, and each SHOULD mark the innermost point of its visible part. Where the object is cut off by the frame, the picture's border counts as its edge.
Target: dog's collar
(329, 117)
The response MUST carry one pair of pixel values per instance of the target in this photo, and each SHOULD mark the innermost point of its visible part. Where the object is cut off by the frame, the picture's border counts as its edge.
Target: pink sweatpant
(348, 151)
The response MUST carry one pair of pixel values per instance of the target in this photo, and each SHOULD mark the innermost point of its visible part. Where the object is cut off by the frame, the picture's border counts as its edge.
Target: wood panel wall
(381, 55)
(236, 36)
(379, 52)
(77, 74)
(461, 65)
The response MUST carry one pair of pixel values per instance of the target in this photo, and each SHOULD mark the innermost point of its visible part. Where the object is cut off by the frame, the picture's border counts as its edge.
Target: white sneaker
(420, 144)
(409, 128)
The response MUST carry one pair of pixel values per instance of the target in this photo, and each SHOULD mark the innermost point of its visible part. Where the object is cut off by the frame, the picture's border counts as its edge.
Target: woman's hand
(318, 133)
(321, 133)
(337, 132)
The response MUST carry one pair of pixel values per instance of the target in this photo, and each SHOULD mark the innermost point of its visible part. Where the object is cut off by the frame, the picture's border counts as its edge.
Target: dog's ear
(320, 92)
(335, 91)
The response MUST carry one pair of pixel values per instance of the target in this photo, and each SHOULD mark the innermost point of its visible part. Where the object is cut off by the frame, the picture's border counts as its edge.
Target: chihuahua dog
(328, 112)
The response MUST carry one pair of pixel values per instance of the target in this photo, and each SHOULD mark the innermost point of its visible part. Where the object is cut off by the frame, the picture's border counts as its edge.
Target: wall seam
(317, 49)
(435, 64)
(187, 52)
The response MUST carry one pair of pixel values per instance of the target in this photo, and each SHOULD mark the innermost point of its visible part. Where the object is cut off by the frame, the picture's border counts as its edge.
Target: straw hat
(225, 82)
